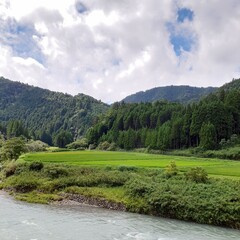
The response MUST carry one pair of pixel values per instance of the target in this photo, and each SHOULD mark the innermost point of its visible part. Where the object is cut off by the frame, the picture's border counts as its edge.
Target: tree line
(163, 125)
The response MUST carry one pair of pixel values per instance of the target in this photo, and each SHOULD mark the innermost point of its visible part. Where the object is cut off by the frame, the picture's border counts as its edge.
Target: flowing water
(23, 221)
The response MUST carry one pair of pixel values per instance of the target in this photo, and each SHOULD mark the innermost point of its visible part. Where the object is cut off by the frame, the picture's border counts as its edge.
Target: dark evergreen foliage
(181, 94)
(163, 125)
(44, 112)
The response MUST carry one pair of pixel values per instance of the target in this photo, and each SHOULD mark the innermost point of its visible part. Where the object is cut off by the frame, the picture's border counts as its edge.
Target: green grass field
(215, 167)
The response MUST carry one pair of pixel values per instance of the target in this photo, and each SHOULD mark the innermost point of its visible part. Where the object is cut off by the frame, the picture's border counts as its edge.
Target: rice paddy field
(214, 167)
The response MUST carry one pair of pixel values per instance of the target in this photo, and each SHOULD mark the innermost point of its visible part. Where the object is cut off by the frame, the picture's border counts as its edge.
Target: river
(23, 221)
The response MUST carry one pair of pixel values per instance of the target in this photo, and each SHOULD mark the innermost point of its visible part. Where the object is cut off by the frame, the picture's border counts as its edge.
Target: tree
(13, 148)
(81, 143)
(16, 129)
(197, 174)
(208, 136)
(63, 138)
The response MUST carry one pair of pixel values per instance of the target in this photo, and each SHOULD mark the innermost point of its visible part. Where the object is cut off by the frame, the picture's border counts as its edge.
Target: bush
(10, 169)
(127, 168)
(13, 148)
(79, 144)
(104, 146)
(138, 188)
(24, 183)
(198, 175)
(56, 172)
(36, 166)
(36, 146)
(171, 169)
(21, 167)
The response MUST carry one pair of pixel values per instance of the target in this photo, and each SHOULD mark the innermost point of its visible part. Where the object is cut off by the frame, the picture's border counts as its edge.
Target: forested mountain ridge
(210, 123)
(182, 94)
(45, 112)
(233, 85)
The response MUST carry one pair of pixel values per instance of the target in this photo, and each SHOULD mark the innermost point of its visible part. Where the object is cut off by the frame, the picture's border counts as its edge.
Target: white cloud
(116, 48)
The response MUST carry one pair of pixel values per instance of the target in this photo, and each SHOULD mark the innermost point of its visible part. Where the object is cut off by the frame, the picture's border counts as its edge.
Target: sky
(110, 49)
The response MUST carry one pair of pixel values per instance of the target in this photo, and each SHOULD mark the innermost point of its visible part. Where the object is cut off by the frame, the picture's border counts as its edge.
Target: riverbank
(76, 199)
(22, 221)
(158, 192)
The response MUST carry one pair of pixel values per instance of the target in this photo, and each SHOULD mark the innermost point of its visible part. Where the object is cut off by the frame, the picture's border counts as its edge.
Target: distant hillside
(42, 110)
(234, 84)
(181, 94)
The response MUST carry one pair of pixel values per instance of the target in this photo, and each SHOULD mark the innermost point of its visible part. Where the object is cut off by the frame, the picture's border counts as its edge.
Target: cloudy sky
(109, 49)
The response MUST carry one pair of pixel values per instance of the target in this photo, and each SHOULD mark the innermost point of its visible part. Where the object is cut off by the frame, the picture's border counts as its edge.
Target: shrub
(10, 169)
(21, 167)
(138, 188)
(171, 169)
(112, 147)
(56, 172)
(198, 175)
(36, 166)
(92, 146)
(127, 168)
(104, 146)
(24, 183)
(79, 144)
(13, 148)
(36, 146)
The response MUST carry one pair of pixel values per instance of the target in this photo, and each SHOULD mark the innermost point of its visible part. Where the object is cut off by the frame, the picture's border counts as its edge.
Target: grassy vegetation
(168, 186)
(232, 152)
(215, 167)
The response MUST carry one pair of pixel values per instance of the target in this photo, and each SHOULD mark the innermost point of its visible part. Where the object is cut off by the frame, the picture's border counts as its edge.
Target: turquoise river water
(23, 221)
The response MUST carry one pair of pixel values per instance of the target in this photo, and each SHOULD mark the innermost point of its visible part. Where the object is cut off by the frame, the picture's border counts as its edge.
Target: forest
(45, 113)
(212, 123)
(59, 119)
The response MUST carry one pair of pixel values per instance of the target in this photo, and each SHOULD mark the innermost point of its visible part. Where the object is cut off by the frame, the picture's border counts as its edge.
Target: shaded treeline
(163, 125)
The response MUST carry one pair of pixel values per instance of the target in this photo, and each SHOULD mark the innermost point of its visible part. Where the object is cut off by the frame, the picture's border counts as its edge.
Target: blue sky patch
(181, 43)
(181, 38)
(80, 7)
(20, 38)
(183, 14)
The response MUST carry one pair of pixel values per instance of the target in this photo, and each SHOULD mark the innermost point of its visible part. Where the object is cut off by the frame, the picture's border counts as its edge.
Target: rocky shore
(76, 199)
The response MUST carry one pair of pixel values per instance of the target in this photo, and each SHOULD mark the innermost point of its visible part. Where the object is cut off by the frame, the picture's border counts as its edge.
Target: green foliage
(208, 136)
(217, 167)
(182, 94)
(10, 169)
(62, 139)
(171, 170)
(36, 166)
(104, 145)
(79, 144)
(16, 129)
(145, 191)
(46, 113)
(164, 125)
(36, 146)
(197, 174)
(56, 171)
(13, 148)
(137, 187)
(127, 168)
(24, 182)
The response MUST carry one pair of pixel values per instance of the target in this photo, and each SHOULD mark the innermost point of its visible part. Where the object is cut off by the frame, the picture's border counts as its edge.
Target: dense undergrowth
(232, 153)
(191, 196)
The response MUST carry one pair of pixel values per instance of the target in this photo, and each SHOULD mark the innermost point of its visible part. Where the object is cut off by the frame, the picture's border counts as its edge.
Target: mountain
(181, 94)
(42, 110)
(211, 123)
(233, 85)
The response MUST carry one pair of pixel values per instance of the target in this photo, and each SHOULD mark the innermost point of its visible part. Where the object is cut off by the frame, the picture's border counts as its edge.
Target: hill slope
(233, 85)
(181, 94)
(42, 110)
